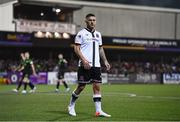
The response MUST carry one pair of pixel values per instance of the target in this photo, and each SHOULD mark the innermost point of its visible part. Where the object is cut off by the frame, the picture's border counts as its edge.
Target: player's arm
(65, 61)
(17, 68)
(81, 57)
(33, 69)
(20, 68)
(103, 57)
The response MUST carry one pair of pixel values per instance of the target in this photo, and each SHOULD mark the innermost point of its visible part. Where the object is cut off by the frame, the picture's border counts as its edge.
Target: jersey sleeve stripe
(77, 43)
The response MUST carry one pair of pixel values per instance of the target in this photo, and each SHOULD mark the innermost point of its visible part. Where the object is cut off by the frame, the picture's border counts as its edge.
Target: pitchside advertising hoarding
(134, 78)
(171, 78)
(43, 78)
(14, 77)
(3, 78)
(71, 78)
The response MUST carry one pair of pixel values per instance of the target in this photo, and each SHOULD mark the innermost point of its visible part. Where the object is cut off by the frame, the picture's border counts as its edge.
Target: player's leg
(65, 85)
(19, 84)
(58, 82)
(26, 81)
(31, 85)
(61, 77)
(74, 97)
(57, 86)
(97, 100)
(83, 77)
(96, 76)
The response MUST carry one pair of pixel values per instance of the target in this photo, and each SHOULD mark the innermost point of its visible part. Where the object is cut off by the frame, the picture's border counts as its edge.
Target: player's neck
(90, 29)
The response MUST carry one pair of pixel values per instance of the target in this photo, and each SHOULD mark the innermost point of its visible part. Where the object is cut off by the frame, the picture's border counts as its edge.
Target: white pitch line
(105, 94)
(160, 97)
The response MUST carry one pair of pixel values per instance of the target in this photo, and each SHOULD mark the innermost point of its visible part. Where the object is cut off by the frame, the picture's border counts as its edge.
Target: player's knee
(96, 87)
(81, 86)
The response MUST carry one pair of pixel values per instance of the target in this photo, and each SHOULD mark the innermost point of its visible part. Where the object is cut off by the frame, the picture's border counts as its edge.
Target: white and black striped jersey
(89, 46)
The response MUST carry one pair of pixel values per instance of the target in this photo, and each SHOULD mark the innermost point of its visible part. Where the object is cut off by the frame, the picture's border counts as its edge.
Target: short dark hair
(90, 15)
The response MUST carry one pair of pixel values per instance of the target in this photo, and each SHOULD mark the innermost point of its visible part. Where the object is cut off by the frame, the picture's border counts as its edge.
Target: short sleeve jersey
(61, 65)
(89, 46)
(27, 66)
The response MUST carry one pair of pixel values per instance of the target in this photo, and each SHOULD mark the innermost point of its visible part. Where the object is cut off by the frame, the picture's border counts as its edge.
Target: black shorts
(88, 76)
(60, 75)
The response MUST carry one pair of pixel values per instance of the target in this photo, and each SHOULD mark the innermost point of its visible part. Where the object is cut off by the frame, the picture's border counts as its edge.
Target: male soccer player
(88, 47)
(18, 69)
(62, 65)
(27, 69)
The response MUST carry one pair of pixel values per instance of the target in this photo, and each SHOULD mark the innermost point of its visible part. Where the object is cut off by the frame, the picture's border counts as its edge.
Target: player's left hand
(107, 65)
(35, 74)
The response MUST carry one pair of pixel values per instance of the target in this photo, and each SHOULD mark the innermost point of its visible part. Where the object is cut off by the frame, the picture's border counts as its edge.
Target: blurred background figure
(62, 67)
(27, 68)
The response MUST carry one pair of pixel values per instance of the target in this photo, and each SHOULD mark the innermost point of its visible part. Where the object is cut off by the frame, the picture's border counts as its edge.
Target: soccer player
(62, 65)
(27, 69)
(18, 69)
(88, 47)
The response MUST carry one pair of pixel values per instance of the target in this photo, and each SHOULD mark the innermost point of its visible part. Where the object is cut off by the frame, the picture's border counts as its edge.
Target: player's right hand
(86, 64)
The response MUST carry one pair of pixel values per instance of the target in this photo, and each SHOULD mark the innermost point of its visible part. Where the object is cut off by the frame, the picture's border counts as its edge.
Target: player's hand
(108, 66)
(35, 74)
(65, 61)
(86, 64)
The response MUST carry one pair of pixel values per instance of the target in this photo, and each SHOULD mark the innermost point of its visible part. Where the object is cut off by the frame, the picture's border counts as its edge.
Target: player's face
(27, 55)
(23, 56)
(91, 22)
(60, 56)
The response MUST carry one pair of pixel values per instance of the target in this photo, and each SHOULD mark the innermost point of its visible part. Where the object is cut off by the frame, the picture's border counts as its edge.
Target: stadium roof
(5, 1)
(79, 3)
(153, 3)
(101, 3)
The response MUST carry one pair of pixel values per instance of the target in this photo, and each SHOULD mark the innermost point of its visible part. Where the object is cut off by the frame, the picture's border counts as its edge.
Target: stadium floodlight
(39, 34)
(66, 35)
(48, 35)
(42, 14)
(57, 35)
(58, 10)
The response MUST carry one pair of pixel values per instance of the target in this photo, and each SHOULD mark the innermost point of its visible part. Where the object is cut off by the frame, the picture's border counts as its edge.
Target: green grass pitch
(123, 102)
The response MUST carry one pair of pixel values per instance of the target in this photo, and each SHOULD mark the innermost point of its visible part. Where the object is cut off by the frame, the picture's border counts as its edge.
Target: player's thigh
(83, 75)
(96, 74)
(60, 75)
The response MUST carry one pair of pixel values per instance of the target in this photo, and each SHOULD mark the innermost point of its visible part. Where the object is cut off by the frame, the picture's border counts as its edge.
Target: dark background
(154, 3)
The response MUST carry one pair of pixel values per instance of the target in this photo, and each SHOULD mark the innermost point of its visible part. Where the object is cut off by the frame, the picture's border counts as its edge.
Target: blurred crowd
(117, 67)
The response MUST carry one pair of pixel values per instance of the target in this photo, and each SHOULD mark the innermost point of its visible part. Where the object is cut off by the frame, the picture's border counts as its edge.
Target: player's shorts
(89, 76)
(60, 75)
(26, 78)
